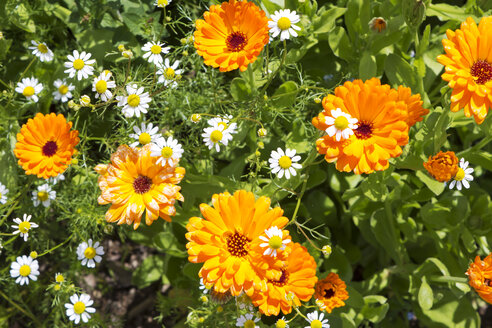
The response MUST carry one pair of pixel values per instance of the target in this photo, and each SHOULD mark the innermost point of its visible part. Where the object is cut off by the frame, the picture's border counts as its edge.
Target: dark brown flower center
(236, 244)
(142, 184)
(364, 130)
(236, 41)
(50, 148)
(282, 281)
(329, 293)
(481, 71)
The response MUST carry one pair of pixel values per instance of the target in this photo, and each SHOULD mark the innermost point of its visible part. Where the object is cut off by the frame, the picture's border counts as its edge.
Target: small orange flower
(378, 24)
(331, 292)
(45, 145)
(232, 35)
(480, 277)
(443, 166)
(468, 67)
(133, 183)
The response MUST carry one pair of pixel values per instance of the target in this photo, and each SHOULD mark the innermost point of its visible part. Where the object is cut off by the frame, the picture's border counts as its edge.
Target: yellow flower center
(460, 175)
(24, 226)
(25, 270)
(170, 73)
(78, 64)
(281, 323)
(42, 196)
(79, 307)
(59, 278)
(341, 122)
(57, 287)
(283, 23)
(28, 91)
(144, 138)
(316, 324)
(216, 136)
(285, 162)
(133, 100)
(63, 89)
(223, 125)
(275, 242)
(42, 48)
(90, 252)
(101, 86)
(162, 3)
(166, 152)
(249, 324)
(155, 49)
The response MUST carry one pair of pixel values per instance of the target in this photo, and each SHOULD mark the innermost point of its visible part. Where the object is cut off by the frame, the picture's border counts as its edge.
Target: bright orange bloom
(443, 166)
(45, 145)
(384, 117)
(298, 278)
(232, 35)
(468, 67)
(227, 241)
(331, 292)
(133, 183)
(480, 277)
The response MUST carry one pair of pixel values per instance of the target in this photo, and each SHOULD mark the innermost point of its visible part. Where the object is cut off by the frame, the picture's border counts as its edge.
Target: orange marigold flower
(443, 166)
(298, 278)
(480, 277)
(383, 117)
(45, 145)
(227, 241)
(232, 35)
(468, 67)
(414, 105)
(331, 292)
(133, 183)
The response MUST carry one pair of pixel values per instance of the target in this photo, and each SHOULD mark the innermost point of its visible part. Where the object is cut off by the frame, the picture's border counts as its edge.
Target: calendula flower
(284, 163)
(462, 176)
(168, 73)
(133, 183)
(247, 320)
(30, 88)
(231, 43)
(295, 284)
(23, 226)
(23, 269)
(275, 240)
(316, 321)
(80, 65)
(153, 52)
(227, 242)
(43, 196)
(79, 308)
(415, 111)
(89, 253)
(480, 277)
(63, 89)
(282, 22)
(378, 24)
(137, 101)
(102, 84)
(162, 3)
(41, 51)
(443, 166)
(468, 67)
(331, 292)
(167, 151)
(145, 134)
(216, 135)
(340, 124)
(3, 194)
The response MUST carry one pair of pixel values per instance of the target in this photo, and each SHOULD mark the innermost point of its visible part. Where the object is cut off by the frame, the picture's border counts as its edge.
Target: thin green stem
(57, 246)
(26, 312)
(272, 76)
(484, 142)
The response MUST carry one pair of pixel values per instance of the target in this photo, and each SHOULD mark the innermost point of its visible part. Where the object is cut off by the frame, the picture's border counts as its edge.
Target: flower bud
(261, 145)
(85, 101)
(75, 161)
(57, 287)
(317, 100)
(185, 53)
(204, 299)
(262, 132)
(326, 250)
(127, 54)
(33, 254)
(378, 24)
(219, 309)
(121, 48)
(195, 118)
(413, 12)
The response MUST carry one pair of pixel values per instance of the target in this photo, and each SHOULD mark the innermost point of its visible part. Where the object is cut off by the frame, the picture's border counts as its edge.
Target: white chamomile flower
(205, 289)
(317, 321)
(90, 254)
(162, 3)
(3, 194)
(281, 323)
(284, 163)
(153, 51)
(274, 241)
(145, 134)
(41, 51)
(30, 88)
(169, 151)
(283, 23)
(79, 308)
(341, 124)
(137, 101)
(63, 90)
(23, 226)
(44, 195)
(167, 73)
(215, 135)
(223, 123)
(247, 320)
(462, 177)
(102, 84)
(80, 65)
(55, 180)
(24, 268)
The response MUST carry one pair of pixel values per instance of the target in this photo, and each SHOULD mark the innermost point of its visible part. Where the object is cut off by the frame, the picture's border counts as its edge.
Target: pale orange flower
(331, 292)
(480, 277)
(443, 166)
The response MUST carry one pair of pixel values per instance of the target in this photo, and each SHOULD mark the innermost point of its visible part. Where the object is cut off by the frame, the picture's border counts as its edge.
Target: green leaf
(285, 95)
(435, 186)
(240, 90)
(482, 158)
(399, 72)
(151, 270)
(425, 296)
(447, 12)
(324, 23)
(340, 43)
(367, 66)
(375, 313)
(167, 242)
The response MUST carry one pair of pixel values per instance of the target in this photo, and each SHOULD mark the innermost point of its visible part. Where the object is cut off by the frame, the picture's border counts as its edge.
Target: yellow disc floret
(144, 138)
(133, 100)
(166, 152)
(155, 49)
(78, 64)
(28, 91)
(79, 307)
(42, 196)
(284, 23)
(216, 136)
(24, 226)
(280, 323)
(25, 270)
(275, 242)
(316, 324)
(63, 89)
(90, 252)
(170, 73)
(59, 278)
(249, 324)
(341, 122)
(285, 162)
(101, 86)
(460, 175)
(42, 48)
